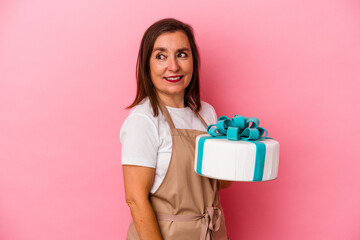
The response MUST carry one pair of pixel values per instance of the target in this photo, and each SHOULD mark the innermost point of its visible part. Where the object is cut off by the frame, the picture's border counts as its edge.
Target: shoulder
(144, 108)
(208, 112)
(206, 107)
(143, 111)
(140, 118)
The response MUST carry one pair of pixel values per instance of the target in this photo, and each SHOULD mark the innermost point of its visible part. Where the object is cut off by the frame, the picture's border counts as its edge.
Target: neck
(176, 101)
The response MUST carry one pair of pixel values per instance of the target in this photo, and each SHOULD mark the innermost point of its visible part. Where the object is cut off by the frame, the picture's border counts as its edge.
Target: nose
(173, 64)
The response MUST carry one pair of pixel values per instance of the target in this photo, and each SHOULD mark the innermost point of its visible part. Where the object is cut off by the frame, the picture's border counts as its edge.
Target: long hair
(145, 86)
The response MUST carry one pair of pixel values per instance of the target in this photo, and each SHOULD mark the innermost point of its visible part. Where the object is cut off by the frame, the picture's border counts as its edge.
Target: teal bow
(238, 128)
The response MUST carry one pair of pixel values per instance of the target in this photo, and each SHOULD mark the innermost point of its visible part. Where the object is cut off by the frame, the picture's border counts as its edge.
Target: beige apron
(186, 204)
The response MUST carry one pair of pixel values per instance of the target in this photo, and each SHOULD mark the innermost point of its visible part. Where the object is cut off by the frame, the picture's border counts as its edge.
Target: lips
(174, 78)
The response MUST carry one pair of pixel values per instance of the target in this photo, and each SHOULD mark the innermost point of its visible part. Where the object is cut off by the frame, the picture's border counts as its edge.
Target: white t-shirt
(146, 140)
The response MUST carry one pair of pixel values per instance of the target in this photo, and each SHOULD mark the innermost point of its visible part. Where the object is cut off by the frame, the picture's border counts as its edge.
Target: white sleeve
(140, 141)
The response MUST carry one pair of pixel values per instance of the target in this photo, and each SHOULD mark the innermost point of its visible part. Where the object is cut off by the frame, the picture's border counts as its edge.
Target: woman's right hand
(138, 181)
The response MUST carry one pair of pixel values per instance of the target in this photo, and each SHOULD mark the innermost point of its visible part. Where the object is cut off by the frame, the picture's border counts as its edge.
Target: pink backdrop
(67, 70)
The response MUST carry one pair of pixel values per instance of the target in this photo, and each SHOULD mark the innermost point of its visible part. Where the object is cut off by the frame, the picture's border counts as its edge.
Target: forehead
(172, 41)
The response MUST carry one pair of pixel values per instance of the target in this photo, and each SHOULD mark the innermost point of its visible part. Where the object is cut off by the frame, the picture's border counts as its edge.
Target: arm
(138, 182)
(223, 184)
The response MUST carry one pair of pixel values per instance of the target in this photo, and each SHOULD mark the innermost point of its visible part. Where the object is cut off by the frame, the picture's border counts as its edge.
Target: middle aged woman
(167, 199)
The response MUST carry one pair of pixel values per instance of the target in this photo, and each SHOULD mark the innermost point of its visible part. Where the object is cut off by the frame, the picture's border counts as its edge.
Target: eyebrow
(164, 49)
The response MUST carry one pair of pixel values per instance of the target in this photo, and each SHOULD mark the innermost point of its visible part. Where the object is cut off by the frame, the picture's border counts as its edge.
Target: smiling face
(171, 66)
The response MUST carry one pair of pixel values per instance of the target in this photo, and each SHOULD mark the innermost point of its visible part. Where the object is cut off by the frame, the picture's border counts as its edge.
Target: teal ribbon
(238, 128)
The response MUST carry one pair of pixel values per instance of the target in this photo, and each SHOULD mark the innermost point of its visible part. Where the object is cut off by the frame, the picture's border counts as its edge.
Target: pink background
(67, 71)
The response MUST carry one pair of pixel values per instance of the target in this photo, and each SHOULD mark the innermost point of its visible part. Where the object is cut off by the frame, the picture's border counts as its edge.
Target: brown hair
(145, 86)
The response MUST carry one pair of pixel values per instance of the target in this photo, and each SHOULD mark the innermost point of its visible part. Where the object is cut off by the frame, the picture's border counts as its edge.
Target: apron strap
(166, 113)
(202, 120)
(199, 116)
(210, 223)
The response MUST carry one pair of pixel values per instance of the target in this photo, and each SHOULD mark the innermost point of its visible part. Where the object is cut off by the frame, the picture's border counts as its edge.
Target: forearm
(145, 220)
(223, 184)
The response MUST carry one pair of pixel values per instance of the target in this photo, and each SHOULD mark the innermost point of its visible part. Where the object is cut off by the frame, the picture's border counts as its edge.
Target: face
(171, 64)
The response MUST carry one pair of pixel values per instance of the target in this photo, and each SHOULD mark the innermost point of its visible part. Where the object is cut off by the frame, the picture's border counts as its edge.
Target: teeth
(173, 78)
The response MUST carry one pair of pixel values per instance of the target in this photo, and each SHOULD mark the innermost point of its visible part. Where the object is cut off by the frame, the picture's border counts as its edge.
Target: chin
(176, 92)
(173, 91)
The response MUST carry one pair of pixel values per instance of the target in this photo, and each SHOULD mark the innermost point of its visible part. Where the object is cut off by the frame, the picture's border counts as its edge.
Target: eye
(160, 56)
(182, 54)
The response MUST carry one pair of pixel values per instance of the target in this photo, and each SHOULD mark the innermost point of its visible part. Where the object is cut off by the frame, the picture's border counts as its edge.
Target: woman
(167, 199)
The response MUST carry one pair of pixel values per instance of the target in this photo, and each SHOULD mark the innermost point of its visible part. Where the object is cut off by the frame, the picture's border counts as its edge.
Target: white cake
(225, 159)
